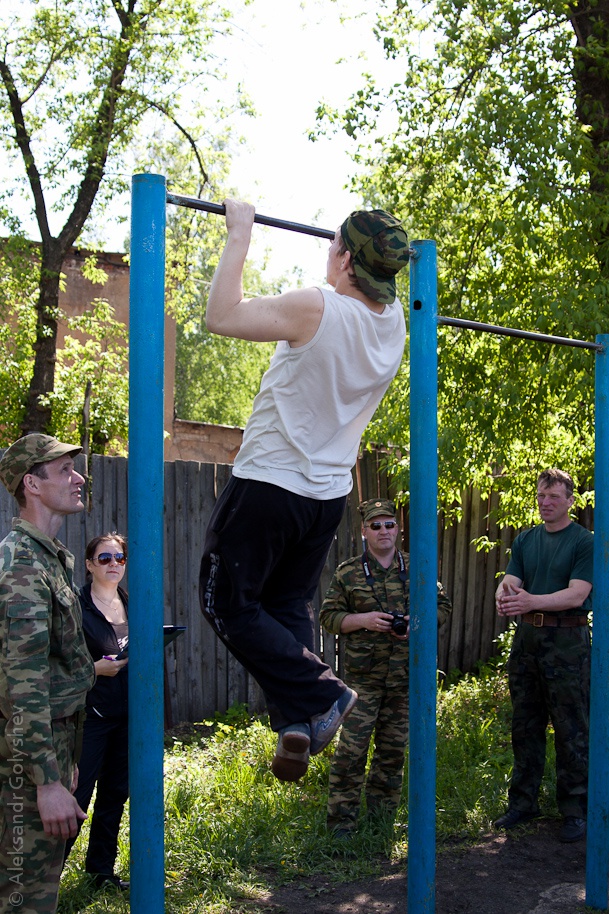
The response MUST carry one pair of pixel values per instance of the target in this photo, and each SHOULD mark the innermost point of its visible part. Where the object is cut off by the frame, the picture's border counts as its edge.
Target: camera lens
(399, 625)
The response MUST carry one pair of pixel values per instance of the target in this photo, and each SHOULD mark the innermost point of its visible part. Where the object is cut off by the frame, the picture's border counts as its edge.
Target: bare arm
(512, 600)
(506, 586)
(293, 316)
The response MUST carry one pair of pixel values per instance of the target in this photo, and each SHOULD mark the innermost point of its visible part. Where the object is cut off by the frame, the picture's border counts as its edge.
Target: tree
(497, 148)
(77, 78)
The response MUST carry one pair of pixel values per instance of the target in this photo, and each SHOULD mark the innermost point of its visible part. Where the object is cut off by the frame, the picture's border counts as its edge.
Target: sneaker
(324, 726)
(573, 829)
(515, 817)
(291, 758)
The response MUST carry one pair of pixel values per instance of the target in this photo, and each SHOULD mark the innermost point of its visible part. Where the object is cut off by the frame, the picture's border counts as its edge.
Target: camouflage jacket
(349, 592)
(45, 667)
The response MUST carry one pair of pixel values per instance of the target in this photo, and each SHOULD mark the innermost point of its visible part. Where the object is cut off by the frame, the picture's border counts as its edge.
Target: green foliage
(96, 354)
(483, 148)
(78, 82)
(86, 73)
(95, 360)
(217, 377)
(19, 275)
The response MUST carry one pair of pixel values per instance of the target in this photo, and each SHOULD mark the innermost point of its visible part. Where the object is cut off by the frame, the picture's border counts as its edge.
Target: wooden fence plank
(487, 639)
(457, 628)
(471, 627)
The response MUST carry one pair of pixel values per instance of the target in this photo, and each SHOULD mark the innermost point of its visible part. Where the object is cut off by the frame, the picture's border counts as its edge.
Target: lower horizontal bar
(523, 334)
(195, 203)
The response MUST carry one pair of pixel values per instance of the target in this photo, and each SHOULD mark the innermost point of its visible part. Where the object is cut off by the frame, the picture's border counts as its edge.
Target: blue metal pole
(597, 859)
(423, 578)
(145, 511)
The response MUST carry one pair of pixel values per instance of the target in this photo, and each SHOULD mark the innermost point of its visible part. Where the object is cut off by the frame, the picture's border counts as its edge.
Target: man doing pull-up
(269, 535)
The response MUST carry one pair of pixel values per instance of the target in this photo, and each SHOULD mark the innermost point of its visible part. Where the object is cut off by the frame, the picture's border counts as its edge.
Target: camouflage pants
(549, 677)
(30, 861)
(382, 709)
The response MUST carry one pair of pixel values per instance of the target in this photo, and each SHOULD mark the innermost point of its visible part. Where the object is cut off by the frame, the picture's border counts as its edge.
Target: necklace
(105, 602)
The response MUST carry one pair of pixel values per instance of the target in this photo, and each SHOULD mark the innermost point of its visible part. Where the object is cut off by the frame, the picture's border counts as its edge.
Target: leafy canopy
(484, 147)
(78, 82)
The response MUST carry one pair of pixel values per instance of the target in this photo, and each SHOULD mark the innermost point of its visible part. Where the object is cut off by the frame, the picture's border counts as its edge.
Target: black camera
(399, 624)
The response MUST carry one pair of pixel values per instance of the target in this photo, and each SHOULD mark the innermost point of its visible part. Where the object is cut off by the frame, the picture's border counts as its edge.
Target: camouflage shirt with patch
(349, 592)
(45, 667)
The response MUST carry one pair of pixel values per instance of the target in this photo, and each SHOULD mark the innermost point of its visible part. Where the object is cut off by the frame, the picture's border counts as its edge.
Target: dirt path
(504, 874)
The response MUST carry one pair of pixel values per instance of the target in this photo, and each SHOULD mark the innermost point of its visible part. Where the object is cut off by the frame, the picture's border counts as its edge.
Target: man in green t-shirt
(547, 587)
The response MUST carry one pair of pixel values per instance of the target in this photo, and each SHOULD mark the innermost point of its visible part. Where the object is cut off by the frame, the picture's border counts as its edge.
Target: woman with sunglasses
(104, 759)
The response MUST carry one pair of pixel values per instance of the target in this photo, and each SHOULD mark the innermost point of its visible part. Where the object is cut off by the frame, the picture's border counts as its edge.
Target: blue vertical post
(423, 578)
(145, 512)
(597, 858)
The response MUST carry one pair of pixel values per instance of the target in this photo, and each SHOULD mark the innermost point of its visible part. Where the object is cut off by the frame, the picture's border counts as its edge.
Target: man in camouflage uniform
(365, 602)
(547, 588)
(45, 673)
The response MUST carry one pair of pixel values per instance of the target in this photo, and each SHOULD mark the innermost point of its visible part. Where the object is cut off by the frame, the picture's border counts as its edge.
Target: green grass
(232, 829)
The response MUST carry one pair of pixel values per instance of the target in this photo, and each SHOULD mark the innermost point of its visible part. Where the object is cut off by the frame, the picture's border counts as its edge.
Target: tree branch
(22, 138)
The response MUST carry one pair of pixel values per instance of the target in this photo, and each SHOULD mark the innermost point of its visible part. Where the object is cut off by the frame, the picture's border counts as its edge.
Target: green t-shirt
(546, 562)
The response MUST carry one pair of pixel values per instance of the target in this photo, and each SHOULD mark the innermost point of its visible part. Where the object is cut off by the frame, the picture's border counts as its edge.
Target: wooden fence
(201, 677)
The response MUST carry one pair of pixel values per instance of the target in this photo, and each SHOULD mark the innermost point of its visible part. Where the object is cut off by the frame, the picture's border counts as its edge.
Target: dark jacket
(108, 697)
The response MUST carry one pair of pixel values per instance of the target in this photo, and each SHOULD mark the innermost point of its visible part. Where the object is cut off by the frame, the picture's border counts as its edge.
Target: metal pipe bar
(219, 209)
(423, 577)
(522, 334)
(597, 857)
(145, 531)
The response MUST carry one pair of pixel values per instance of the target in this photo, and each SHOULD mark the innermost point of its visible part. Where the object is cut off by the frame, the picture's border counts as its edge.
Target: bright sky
(285, 53)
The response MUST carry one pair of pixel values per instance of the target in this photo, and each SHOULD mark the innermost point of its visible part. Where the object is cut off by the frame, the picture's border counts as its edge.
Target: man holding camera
(367, 601)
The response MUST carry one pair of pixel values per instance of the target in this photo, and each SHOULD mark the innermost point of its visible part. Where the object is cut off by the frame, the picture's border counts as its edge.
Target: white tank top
(316, 400)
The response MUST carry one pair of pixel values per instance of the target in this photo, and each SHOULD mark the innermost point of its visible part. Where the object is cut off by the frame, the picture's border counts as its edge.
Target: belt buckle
(538, 620)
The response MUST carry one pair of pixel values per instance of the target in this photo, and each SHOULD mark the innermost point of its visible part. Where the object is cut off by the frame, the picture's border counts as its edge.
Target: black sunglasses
(104, 558)
(388, 524)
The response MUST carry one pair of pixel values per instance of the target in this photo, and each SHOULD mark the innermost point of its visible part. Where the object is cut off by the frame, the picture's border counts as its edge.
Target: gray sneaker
(324, 726)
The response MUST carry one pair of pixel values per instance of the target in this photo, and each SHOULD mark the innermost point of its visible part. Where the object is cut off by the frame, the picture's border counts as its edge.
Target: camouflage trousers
(549, 678)
(382, 710)
(30, 861)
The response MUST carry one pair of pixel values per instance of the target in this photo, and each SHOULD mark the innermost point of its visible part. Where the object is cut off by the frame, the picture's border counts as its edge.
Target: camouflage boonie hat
(379, 249)
(26, 452)
(376, 507)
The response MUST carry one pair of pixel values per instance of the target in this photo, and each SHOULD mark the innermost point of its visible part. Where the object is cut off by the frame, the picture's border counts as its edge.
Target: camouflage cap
(379, 249)
(376, 507)
(26, 452)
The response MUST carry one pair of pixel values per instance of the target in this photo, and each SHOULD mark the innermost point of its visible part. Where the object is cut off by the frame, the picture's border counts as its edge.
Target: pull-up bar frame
(220, 210)
(145, 509)
(424, 562)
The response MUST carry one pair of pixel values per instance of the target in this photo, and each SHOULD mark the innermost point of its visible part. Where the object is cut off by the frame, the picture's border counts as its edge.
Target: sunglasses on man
(387, 524)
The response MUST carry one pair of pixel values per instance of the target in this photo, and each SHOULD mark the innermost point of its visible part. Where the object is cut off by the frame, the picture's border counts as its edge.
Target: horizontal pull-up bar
(523, 334)
(219, 210)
